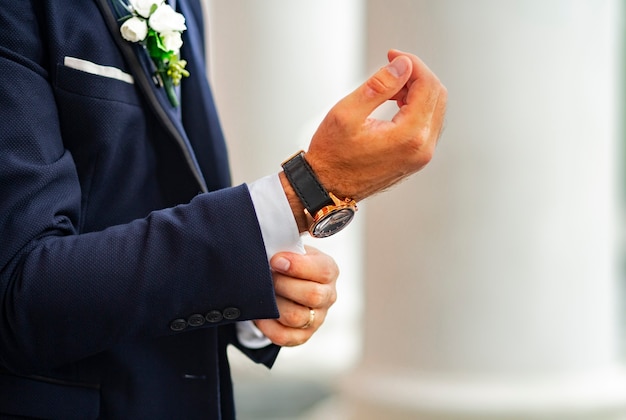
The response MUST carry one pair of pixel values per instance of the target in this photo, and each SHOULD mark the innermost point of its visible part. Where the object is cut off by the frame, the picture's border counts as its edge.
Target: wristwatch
(330, 214)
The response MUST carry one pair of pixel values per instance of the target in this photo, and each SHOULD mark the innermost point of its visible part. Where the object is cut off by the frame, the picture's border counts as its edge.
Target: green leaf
(155, 48)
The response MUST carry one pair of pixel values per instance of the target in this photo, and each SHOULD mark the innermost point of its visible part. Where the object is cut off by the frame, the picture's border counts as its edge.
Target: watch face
(333, 222)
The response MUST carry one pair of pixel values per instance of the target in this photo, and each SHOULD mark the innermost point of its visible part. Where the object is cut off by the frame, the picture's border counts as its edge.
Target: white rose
(166, 19)
(172, 41)
(143, 7)
(134, 29)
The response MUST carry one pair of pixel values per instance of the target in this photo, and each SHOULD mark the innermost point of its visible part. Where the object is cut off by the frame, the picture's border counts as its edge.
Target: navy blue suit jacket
(125, 255)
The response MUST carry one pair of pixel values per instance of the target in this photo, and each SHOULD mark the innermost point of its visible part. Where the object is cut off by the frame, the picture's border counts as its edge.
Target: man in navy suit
(127, 261)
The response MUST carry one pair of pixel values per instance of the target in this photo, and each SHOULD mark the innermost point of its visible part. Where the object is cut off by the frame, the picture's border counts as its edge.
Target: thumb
(379, 88)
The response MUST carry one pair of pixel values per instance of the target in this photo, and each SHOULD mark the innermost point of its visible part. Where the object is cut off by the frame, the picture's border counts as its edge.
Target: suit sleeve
(66, 295)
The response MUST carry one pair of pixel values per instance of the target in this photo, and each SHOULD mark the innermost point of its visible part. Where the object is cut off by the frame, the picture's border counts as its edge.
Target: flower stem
(171, 91)
(168, 85)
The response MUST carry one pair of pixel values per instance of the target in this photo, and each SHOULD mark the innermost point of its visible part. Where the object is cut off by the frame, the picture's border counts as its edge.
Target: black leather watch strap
(306, 185)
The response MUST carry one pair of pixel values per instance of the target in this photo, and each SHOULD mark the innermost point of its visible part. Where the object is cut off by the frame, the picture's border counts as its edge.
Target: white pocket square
(93, 68)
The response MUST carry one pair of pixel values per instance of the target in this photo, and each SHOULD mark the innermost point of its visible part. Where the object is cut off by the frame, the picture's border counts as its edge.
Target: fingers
(284, 336)
(293, 315)
(305, 288)
(295, 325)
(308, 280)
(379, 88)
(314, 265)
(424, 95)
(307, 293)
(357, 156)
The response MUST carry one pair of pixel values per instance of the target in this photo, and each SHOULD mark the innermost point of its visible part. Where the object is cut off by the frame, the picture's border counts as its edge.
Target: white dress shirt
(280, 233)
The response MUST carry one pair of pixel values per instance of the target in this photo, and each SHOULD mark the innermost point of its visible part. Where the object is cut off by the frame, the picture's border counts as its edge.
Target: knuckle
(338, 118)
(377, 84)
(417, 150)
(332, 272)
(290, 318)
(281, 338)
(419, 143)
(428, 154)
(329, 273)
(327, 270)
(422, 151)
(319, 296)
(333, 298)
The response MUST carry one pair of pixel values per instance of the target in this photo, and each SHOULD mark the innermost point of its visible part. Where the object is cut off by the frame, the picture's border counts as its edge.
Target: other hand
(355, 155)
(302, 283)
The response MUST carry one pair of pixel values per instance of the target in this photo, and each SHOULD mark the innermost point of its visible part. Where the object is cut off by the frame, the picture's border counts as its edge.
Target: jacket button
(178, 325)
(195, 320)
(214, 316)
(232, 313)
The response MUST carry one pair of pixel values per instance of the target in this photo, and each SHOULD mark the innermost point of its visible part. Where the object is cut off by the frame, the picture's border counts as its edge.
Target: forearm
(66, 297)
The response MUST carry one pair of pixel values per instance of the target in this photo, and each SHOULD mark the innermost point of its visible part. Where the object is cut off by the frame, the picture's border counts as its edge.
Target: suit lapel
(142, 68)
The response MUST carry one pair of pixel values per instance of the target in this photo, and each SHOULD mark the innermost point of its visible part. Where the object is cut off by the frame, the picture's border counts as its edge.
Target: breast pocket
(92, 80)
(104, 123)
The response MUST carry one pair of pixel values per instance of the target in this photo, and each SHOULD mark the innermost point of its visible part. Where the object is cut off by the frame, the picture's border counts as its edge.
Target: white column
(491, 277)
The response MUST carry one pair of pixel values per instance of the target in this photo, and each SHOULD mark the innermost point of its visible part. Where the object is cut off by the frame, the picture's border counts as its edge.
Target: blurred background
(490, 284)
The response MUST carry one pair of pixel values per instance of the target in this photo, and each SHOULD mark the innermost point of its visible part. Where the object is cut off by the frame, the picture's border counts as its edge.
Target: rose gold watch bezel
(326, 211)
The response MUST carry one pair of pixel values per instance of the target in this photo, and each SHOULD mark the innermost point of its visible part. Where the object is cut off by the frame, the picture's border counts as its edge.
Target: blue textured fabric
(105, 238)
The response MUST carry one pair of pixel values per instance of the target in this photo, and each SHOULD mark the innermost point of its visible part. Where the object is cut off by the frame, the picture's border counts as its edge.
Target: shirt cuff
(278, 226)
(250, 336)
(280, 233)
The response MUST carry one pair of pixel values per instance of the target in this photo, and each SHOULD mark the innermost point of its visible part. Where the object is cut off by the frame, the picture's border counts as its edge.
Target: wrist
(321, 209)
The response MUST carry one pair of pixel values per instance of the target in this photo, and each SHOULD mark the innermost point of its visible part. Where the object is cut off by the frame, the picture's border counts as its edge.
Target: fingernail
(281, 264)
(398, 67)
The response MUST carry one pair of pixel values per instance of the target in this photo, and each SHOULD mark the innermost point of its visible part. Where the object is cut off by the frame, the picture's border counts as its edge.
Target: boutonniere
(159, 29)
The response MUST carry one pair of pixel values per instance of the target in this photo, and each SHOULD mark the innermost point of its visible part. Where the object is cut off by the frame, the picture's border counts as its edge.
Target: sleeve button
(214, 316)
(178, 325)
(195, 320)
(232, 313)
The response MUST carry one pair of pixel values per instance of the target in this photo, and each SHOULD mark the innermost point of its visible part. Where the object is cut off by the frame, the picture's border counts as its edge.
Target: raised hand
(356, 156)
